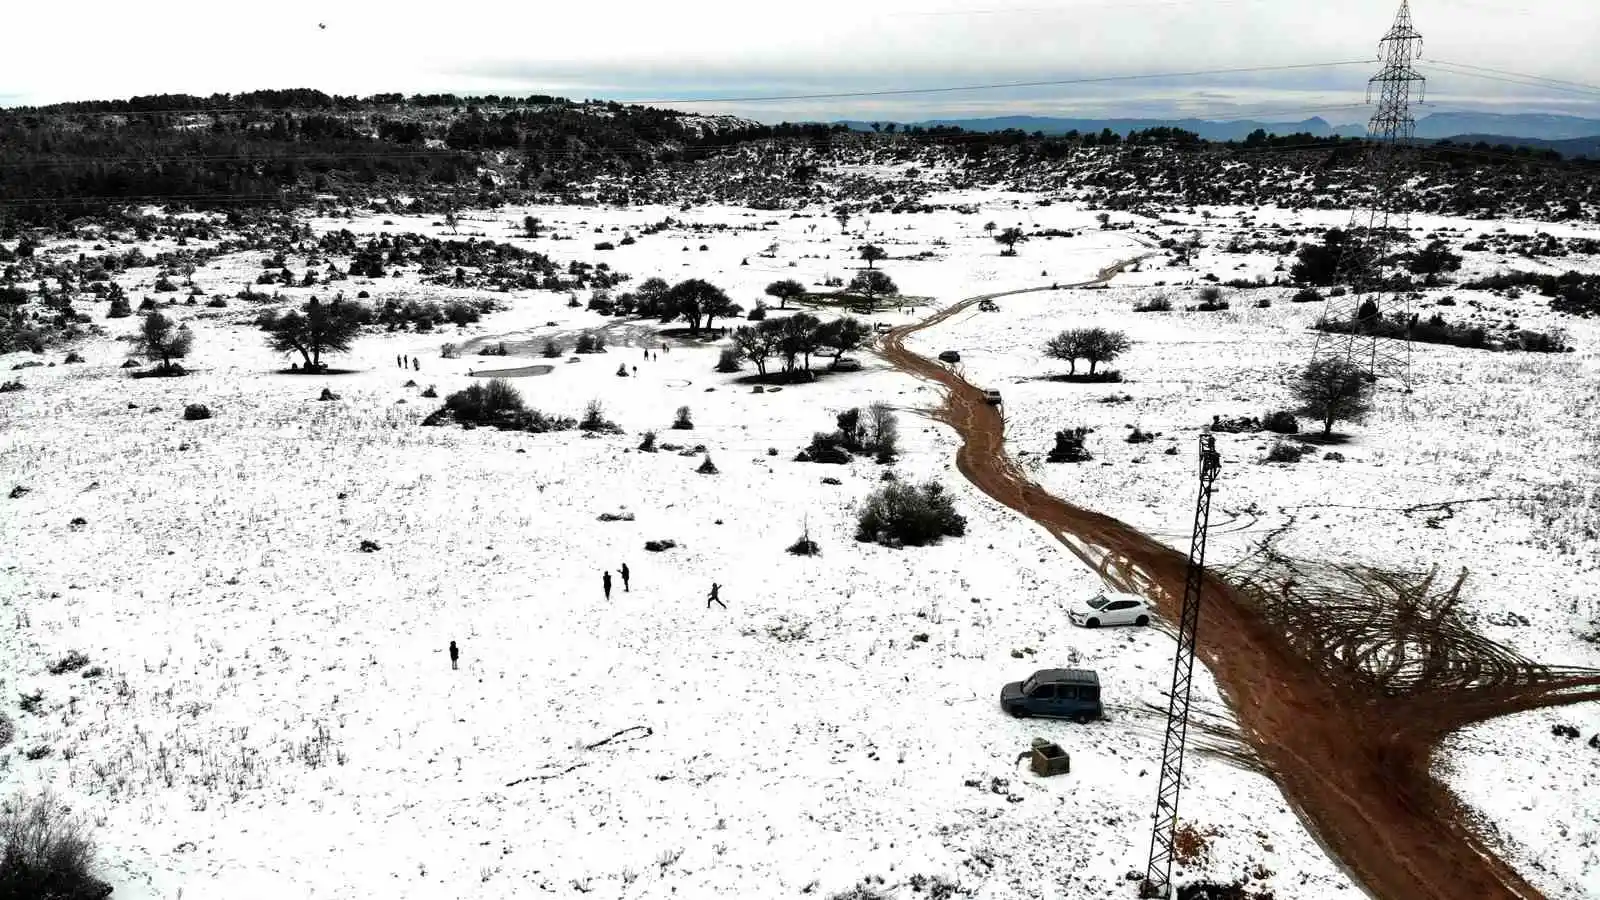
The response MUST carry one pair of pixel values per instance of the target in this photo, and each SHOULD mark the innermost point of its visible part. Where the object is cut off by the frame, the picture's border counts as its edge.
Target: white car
(1110, 608)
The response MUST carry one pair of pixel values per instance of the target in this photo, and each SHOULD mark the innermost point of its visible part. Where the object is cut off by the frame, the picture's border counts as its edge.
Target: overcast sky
(653, 50)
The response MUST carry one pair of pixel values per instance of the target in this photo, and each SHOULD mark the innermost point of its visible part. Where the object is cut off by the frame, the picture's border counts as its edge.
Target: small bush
(1307, 295)
(682, 422)
(217, 303)
(449, 351)
(901, 514)
(1140, 436)
(431, 392)
(622, 370)
(590, 343)
(648, 445)
(1285, 452)
(759, 314)
(1069, 446)
(11, 387)
(1154, 304)
(72, 662)
(805, 547)
(194, 412)
(484, 404)
(605, 245)
(826, 447)
(659, 546)
(551, 349)
(728, 360)
(594, 419)
(707, 467)
(46, 853)
(1280, 422)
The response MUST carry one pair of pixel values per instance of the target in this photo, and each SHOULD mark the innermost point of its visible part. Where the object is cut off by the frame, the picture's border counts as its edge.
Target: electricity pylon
(1355, 317)
(1158, 875)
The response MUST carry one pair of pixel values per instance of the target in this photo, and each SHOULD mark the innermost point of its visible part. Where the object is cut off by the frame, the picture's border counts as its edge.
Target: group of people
(408, 361)
(605, 585)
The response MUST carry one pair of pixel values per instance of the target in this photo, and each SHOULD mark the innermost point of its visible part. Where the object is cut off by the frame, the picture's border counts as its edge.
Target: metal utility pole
(1158, 876)
(1356, 315)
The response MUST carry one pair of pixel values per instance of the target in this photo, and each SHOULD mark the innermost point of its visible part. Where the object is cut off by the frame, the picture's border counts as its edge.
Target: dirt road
(1346, 726)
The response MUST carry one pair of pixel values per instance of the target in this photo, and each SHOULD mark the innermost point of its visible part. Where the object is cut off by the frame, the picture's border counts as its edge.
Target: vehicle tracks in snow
(1344, 681)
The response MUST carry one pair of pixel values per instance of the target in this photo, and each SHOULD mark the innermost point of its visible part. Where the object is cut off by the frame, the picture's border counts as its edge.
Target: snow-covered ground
(277, 716)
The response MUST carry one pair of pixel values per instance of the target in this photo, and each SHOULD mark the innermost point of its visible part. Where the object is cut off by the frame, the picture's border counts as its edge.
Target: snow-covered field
(277, 716)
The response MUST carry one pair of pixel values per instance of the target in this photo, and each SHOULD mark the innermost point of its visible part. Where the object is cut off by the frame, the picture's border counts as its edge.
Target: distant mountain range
(1532, 129)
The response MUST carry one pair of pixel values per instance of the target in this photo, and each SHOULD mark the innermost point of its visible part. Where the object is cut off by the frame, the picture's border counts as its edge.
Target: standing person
(454, 655)
(624, 572)
(605, 582)
(397, 360)
(713, 596)
(416, 364)
(646, 352)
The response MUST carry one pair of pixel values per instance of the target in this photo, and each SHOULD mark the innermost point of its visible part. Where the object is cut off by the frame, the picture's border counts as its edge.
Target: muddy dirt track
(1343, 680)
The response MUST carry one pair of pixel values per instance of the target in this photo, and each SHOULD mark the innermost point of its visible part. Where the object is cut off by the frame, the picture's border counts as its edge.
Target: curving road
(1353, 760)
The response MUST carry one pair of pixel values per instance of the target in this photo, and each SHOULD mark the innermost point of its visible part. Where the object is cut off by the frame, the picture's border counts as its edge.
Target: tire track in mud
(1352, 760)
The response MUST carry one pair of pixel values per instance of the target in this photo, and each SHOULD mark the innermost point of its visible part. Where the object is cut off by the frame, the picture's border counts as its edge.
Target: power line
(1449, 68)
(1101, 79)
(1576, 84)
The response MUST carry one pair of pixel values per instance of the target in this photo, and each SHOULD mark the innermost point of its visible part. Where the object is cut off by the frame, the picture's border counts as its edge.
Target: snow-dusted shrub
(551, 349)
(484, 404)
(1284, 452)
(195, 412)
(648, 444)
(1280, 422)
(44, 852)
(707, 467)
(682, 422)
(1069, 446)
(72, 662)
(900, 514)
(728, 360)
(590, 343)
(594, 419)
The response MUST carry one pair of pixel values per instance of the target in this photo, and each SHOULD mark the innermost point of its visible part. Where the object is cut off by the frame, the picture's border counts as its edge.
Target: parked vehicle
(1110, 608)
(992, 397)
(1055, 693)
(882, 328)
(950, 356)
(846, 364)
(988, 306)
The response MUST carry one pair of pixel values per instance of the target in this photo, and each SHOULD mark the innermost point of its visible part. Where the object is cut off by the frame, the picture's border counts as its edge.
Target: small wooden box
(1050, 759)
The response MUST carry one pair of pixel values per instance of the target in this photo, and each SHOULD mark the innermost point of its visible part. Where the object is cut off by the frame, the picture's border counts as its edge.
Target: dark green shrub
(902, 514)
(1069, 446)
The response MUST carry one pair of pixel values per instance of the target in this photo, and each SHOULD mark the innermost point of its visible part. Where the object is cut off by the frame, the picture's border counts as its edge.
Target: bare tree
(159, 340)
(1067, 346)
(756, 344)
(786, 290)
(1010, 238)
(1102, 346)
(883, 429)
(1333, 390)
(872, 282)
(314, 330)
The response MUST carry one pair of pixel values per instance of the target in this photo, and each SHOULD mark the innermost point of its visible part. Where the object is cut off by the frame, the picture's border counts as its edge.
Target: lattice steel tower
(1158, 875)
(1390, 133)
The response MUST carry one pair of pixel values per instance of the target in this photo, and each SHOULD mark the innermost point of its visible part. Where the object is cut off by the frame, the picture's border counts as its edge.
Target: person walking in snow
(397, 359)
(605, 582)
(454, 655)
(416, 364)
(713, 596)
(624, 573)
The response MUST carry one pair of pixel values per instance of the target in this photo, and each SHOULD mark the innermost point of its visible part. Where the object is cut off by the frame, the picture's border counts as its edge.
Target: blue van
(1055, 693)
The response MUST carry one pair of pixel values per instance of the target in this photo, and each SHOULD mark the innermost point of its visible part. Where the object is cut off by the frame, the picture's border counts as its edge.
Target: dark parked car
(950, 356)
(1055, 693)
